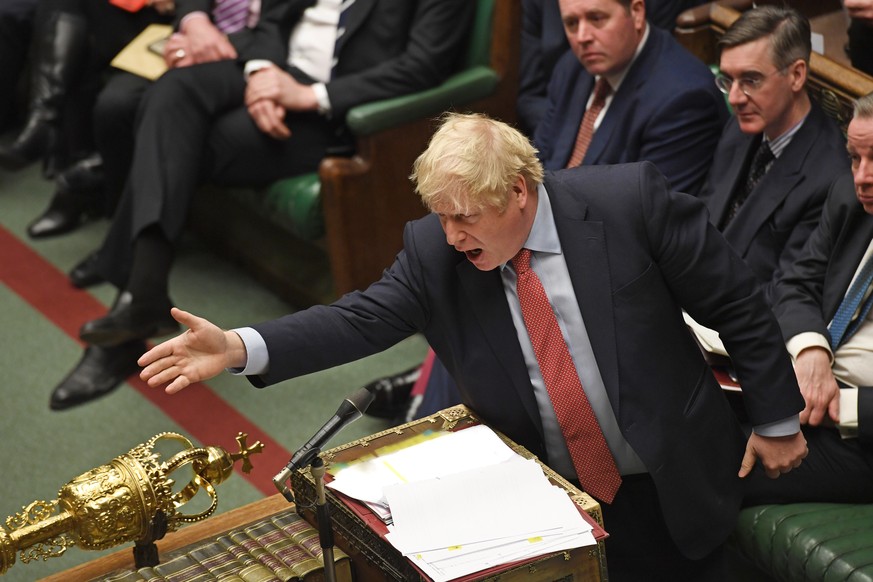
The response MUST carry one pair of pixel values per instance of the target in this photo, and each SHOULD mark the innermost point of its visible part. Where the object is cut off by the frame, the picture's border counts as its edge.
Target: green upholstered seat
(814, 542)
(295, 203)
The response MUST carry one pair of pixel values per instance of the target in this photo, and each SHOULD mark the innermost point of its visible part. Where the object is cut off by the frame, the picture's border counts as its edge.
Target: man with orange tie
(628, 92)
(556, 305)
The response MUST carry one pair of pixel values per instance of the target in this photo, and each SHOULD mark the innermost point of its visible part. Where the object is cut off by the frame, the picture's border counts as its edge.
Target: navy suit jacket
(809, 293)
(636, 254)
(667, 111)
(776, 220)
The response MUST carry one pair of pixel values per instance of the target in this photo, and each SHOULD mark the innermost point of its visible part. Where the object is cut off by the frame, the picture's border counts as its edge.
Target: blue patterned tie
(843, 326)
(341, 28)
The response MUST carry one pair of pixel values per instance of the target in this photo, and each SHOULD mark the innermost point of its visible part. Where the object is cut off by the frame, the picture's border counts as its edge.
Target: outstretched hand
(202, 352)
(778, 455)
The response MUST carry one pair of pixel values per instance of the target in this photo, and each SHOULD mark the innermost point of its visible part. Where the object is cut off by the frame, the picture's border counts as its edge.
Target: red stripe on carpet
(199, 411)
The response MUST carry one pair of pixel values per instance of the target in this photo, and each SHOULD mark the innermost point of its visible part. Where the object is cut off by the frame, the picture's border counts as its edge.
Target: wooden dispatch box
(360, 533)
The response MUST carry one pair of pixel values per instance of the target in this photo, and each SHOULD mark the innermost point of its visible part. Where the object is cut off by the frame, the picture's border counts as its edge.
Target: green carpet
(42, 449)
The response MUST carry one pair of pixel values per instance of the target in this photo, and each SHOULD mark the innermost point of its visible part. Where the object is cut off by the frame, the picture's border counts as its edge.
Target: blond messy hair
(472, 162)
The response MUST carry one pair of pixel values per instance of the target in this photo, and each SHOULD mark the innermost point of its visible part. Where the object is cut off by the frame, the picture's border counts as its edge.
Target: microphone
(350, 410)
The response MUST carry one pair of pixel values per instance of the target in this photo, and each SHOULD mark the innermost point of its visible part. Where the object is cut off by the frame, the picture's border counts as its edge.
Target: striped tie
(586, 128)
(230, 15)
(844, 323)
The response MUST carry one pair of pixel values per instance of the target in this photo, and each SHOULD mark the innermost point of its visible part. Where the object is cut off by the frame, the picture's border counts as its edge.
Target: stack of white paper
(478, 519)
(465, 502)
(448, 453)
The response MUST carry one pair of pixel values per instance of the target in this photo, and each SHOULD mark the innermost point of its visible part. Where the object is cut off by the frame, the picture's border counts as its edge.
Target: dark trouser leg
(16, 24)
(836, 470)
(114, 126)
(60, 55)
(640, 547)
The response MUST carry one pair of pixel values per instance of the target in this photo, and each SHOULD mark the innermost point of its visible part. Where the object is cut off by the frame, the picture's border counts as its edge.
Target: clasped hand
(270, 93)
(778, 455)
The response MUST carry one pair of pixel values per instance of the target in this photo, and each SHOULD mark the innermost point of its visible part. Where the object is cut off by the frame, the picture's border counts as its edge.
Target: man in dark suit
(767, 215)
(543, 42)
(618, 256)
(661, 105)
(273, 112)
(831, 337)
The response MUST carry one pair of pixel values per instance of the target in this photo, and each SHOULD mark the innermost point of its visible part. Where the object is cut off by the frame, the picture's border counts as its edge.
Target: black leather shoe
(99, 372)
(79, 196)
(85, 274)
(130, 320)
(392, 394)
(65, 213)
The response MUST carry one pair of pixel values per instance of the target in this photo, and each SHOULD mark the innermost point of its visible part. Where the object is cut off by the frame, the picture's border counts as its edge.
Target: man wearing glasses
(779, 154)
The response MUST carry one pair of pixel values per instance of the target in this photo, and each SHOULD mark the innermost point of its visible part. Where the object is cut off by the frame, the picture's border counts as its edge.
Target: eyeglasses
(749, 83)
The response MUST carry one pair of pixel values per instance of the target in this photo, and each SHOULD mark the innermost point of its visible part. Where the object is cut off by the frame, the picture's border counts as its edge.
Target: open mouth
(473, 253)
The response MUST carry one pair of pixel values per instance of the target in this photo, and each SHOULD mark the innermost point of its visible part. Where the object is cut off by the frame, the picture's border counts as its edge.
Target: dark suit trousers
(640, 547)
(836, 470)
(16, 21)
(192, 127)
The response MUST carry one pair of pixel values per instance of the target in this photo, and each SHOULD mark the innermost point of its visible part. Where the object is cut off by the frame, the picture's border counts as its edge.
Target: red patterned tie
(592, 459)
(586, 128)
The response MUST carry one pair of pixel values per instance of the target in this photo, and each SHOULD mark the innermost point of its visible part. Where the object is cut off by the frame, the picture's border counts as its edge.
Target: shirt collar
(543, 237)
(778, 145)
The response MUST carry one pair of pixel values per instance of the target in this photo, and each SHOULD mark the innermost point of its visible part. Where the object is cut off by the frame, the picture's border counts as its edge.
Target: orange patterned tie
(591, 456)
(586, 128)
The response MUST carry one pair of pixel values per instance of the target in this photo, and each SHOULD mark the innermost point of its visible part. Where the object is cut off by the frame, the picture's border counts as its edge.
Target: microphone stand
(350, 410)
(322, 512)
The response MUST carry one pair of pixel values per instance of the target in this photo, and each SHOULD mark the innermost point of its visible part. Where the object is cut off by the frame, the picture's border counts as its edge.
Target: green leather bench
(314, 237)
(808, 542)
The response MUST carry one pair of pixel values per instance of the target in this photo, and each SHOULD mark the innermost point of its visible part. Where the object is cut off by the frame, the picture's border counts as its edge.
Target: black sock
(150, 271)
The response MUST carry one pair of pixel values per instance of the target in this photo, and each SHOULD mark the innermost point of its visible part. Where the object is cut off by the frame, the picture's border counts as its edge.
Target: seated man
(780, 153)
(823, 306)
(543, 42)
(654, 100)
(94, 184)
(555, 301)
(307, 63)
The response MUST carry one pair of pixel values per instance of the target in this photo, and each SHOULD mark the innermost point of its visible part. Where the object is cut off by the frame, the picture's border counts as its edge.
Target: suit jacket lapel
(724, 187)
(622, 101)
(485, 290)
(780, 180)
(354, 19)
(584, 246)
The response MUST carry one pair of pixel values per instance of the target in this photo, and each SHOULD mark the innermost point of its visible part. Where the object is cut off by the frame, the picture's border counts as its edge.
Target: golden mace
(129, 499)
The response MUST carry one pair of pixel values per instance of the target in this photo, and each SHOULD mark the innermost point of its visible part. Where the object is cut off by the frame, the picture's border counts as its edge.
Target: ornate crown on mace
(129, 499)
